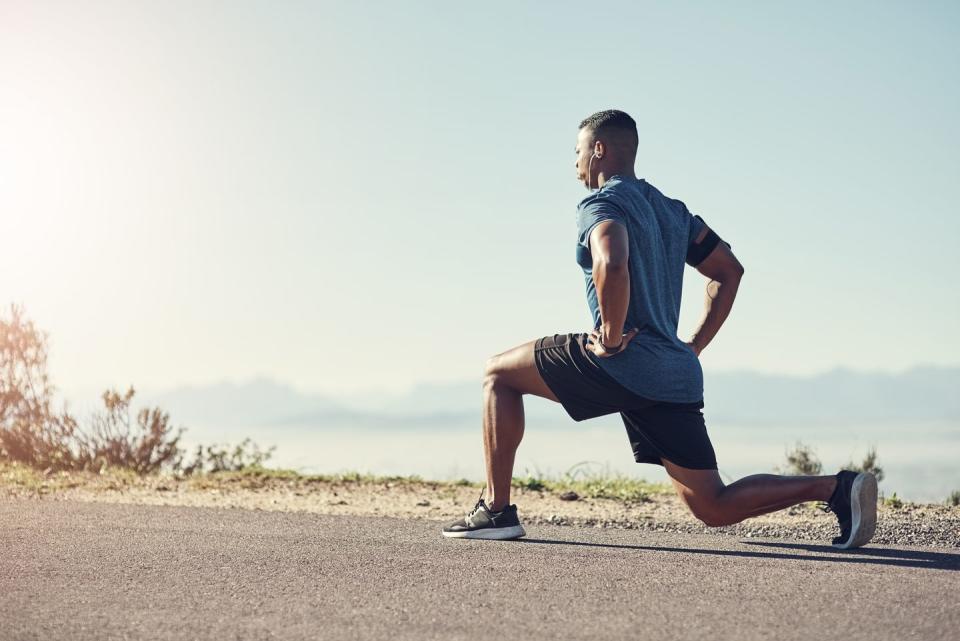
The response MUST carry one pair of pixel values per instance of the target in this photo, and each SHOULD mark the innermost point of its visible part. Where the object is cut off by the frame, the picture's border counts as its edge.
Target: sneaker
(854, 501)
(481, 523)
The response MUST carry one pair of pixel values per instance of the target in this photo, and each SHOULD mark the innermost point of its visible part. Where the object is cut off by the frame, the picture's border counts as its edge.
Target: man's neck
(604, 176)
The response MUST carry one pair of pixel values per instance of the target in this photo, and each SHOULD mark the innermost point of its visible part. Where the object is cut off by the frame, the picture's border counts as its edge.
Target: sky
(354, 197)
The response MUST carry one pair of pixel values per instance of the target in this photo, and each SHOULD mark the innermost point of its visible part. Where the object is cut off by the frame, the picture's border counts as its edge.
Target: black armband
(697, 252)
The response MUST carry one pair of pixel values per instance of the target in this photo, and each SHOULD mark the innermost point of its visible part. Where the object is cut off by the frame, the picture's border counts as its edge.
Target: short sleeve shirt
(656, 364)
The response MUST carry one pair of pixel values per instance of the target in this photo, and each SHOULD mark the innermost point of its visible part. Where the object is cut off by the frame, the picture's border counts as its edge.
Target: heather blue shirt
(656, 364)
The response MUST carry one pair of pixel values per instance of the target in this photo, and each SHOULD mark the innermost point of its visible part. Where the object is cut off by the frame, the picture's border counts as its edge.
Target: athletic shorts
(656, 429)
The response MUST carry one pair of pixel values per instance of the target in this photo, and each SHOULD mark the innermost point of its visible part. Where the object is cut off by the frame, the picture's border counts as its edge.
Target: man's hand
(693, 347)
(595, 346)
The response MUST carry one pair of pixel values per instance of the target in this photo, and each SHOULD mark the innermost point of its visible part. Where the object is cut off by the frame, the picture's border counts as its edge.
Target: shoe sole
(489, 533)
(863, 506)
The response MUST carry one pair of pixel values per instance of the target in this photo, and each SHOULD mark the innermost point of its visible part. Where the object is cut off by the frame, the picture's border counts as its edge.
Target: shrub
(112, 441)
(529, 482)
(221, 458)
(33, 433)
(30, 430)
(801, 461)
(954, 498)
(869, 464)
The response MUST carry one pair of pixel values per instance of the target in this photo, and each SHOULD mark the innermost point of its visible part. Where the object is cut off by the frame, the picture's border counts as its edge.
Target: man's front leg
(508, 377)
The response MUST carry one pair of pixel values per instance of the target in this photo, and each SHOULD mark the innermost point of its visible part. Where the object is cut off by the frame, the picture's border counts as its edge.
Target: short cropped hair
(610, 120)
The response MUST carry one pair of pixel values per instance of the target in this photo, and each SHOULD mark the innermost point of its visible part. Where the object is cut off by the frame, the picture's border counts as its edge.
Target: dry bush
(145, 447)
(33, 433)
(869, 464)
(801, 461)
(223, 458)
(30, 430)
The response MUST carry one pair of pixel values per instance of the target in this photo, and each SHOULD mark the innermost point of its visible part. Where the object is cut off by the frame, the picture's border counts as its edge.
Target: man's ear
(599, 149)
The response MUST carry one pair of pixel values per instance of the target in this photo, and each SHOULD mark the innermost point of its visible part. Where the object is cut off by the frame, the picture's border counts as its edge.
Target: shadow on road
(872, 555)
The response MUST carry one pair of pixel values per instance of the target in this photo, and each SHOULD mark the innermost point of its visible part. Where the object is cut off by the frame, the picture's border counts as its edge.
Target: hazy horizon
(90, 394)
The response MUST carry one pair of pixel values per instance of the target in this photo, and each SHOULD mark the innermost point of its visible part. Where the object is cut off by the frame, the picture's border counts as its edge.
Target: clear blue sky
(364, 196)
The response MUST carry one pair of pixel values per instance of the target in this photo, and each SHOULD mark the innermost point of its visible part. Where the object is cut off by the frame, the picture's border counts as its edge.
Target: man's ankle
(832, 487)
(496, 507)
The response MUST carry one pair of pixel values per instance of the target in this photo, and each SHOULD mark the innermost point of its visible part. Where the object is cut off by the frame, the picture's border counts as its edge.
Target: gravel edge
(906, 524)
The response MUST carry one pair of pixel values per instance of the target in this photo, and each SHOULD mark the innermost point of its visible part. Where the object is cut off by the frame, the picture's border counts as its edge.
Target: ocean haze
(433, 430)
(839, 395)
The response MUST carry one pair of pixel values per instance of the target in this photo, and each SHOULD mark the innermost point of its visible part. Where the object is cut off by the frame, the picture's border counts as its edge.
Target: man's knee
(708, 510)
(701, 491)
(493, 373)
(515, 371)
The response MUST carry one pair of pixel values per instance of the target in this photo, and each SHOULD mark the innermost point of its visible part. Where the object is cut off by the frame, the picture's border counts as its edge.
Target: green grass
(339, 477)
(21, 476)
(893, 501)
(585, 482)
(586, 479)
(590, 482)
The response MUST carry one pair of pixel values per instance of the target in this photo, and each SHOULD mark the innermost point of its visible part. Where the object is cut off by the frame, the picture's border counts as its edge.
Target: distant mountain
(260, 401)
(839, 395)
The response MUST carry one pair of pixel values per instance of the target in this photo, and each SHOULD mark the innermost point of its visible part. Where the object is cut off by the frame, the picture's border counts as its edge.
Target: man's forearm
(718, 303)
(613, 296)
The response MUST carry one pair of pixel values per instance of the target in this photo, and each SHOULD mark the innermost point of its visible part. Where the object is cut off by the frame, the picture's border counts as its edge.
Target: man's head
(606, 143)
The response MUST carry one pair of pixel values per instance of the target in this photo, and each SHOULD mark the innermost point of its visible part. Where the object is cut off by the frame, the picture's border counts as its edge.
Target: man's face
(585, 148)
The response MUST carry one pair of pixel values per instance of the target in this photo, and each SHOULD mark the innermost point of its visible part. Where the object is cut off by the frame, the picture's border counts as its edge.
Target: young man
(633, 245)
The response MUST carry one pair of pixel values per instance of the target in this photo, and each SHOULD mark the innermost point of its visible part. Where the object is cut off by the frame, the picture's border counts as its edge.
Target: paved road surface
(71, 570)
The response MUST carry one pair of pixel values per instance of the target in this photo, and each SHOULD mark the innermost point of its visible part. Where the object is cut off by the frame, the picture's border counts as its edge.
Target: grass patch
(589, 481)
(255, 476)
(581, 478)
(20, 476)
(893, 501)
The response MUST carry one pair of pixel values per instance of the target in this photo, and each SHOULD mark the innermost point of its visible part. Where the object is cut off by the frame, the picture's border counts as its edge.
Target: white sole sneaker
(490, 533)
(863, 511)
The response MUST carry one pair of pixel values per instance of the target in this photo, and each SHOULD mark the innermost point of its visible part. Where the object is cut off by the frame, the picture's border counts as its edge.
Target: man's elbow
(734, 273)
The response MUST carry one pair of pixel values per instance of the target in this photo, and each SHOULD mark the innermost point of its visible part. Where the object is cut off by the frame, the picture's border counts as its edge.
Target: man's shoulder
(652, 194)
(610, 195)
(622, 196)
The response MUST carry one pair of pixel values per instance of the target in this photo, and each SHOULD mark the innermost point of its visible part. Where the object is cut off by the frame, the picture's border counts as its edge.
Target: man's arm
(724, 271)
(610, 249)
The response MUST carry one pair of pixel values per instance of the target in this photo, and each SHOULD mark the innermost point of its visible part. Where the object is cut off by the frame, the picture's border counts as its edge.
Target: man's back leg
(851, 495)
(717, 504)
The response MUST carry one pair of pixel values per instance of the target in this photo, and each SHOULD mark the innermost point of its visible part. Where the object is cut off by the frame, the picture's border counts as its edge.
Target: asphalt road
(72, 570)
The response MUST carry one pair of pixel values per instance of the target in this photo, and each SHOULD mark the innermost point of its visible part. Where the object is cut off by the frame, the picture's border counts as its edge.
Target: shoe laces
(827, 506)
(476, 507)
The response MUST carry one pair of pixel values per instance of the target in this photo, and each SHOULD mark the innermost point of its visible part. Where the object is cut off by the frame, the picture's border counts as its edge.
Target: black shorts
(656, 429)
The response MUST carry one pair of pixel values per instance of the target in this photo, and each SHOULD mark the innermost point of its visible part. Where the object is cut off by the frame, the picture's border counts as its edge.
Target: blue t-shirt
(656, 364)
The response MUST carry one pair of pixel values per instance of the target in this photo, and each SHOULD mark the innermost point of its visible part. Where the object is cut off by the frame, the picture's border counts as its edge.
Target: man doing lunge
(633, 245)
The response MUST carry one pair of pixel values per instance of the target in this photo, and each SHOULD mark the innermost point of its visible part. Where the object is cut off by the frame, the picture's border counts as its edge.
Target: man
(633, 244)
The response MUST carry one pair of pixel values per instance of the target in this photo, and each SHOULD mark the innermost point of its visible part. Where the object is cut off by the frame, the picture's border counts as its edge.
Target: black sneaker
(854, 501)
(481, 523)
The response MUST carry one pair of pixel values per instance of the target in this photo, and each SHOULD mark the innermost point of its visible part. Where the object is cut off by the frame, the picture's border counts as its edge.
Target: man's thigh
(517, 369)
